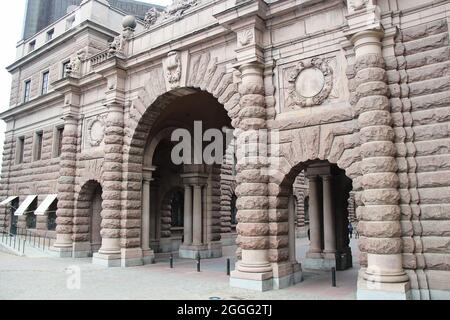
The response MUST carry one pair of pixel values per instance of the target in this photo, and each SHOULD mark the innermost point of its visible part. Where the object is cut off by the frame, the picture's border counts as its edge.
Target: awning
(40, 211)
(8, 200)
(24, 205)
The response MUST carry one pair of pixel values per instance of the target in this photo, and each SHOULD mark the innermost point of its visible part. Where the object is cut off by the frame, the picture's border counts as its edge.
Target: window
(30, 216)
(69, 22)
(27, 92)
(19, 150)
(51, 216)
(58, 142)
(45, 79)
(64, 68)
(50, 34)
(32, 46)
(38, 146)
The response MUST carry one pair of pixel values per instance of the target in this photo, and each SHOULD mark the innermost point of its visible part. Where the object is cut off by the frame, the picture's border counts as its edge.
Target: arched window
(233, 210)
(177, 209)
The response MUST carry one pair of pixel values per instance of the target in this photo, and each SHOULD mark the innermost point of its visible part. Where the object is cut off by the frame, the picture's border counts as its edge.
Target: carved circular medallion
(96, 133)
(310, 82)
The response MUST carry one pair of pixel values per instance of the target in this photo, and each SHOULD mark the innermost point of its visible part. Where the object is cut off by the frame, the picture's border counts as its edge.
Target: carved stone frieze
(175, 10)
(173, 69)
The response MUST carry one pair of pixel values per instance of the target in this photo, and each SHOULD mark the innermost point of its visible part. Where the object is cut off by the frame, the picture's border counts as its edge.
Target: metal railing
(35, 240)
(13, 241)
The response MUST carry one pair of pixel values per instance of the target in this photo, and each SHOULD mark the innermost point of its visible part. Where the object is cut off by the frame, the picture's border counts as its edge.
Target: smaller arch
(87, 217)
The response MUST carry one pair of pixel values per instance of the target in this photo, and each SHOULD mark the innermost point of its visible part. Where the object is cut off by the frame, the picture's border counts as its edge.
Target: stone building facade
(354, 94)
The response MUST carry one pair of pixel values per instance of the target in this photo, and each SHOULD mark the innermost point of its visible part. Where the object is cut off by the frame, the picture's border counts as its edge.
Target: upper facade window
(64, 68)
(45, 82)
(38, 146)
(32, 46)
(27, 91)
(50, 34)
(20, 144)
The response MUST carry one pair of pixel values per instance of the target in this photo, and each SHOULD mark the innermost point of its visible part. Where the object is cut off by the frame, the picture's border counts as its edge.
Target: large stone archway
(122, 235)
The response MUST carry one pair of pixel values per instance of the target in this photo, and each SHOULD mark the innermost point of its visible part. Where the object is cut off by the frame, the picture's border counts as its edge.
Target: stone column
(110, 252)
(292, 216)
(197, 216)
(66, 187)
(188, 215)
(380, 226)
(329, 226)
(254, 270)
(147, 252)
(315, 247)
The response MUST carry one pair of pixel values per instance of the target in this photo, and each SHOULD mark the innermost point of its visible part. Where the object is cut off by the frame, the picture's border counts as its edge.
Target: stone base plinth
(148, 256)
(286, 275)
(107, 260)
(213, 250)
(252, 281)
(82, 250)
(382, 291)
(61, 252)
(319, 263)
(133, 257)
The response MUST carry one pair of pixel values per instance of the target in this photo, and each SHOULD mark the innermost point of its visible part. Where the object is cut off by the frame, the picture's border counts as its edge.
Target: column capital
(326, 177)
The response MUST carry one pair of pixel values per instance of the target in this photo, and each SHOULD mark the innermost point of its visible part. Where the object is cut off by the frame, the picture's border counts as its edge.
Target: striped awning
(42, 209)
(24, 205)
(8, 200)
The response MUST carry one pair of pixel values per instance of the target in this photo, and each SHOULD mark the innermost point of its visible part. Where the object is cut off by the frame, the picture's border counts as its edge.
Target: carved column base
(63, 246)
(370, 290)
(109, 254)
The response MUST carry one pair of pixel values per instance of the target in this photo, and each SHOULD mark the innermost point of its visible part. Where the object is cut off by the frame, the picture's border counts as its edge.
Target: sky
(11, 22)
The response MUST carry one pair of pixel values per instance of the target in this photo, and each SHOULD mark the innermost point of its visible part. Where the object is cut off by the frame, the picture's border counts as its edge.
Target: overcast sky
(11, 22)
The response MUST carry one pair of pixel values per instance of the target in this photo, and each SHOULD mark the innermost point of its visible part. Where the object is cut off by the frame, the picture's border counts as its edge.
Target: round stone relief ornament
(310, 84)
(96, 131)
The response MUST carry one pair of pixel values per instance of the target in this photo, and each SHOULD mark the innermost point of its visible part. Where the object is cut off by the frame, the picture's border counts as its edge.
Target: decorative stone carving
(151, 17)
(310, 83)
(117, 45)
(245, 37)
(96, 130)
(175, 10)
(355, 5)
(74, 67)
(173, 68)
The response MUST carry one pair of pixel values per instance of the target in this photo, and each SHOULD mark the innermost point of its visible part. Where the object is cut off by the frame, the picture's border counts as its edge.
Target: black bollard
(333, 276)
(171, 261)
(198, 263)
(228, 267)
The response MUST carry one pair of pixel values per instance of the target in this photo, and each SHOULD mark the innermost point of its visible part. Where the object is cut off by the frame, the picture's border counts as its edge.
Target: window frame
(26, 93)
(46, 72)
(20, 147)
(49, 35)
(38, 142)
(58, 134)
(64, 64)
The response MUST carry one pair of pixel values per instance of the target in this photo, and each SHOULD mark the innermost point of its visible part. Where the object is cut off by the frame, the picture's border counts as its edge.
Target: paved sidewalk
(48, 278)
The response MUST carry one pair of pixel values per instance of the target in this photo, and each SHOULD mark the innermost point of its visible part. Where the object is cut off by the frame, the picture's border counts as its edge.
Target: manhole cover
(215, 298)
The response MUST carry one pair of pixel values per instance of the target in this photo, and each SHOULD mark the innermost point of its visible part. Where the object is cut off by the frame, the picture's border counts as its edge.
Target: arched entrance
(182, 173)
(329, 193)
(88, 218)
